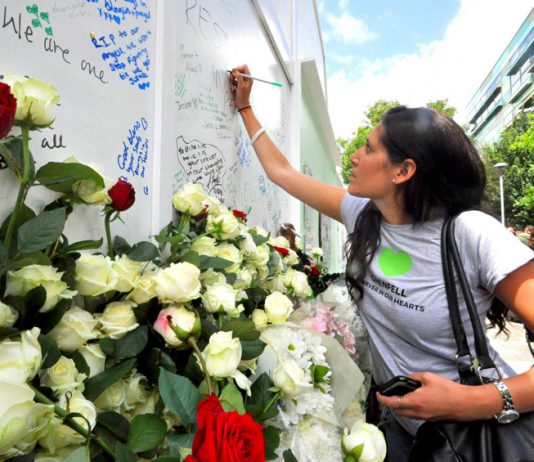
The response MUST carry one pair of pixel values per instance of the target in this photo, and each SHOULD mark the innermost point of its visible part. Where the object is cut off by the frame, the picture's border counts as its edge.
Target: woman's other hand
(240, 87)
(442, 399)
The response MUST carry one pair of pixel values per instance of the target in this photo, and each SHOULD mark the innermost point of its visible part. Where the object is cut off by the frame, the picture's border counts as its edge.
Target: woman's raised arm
(321, 196)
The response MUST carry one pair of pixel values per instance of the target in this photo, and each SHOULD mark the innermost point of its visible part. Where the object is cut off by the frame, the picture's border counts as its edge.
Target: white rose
(278, 307)
(231, 253)
(178, 283)
(22, 421)
(297, 283)
(145, 286)
(94, 275)
(277, 283)
(94, 358)
(8, 315)
(290, 378)
(118, 319)
(136, 391)
(279, 241)
(127, 271)
(260, 318)
(243, 279)
(87, 190)
(20, 282)
(213, 206)
(112, 398)
(316, 252)
(148, 406)
(205, 245)
(223, 226)
(59, 435)
(189, 199)
(20, 360)
(63, 377)
(292, 258)
(374, 444)
(175, 320)
(260, 231)
(222, 354)
(263, 254)
(36, 100)
(247, 245)
(75, 329)
(210, 277)
(219, 298)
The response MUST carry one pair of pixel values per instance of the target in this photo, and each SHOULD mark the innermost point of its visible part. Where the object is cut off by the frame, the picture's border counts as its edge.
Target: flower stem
(108, 232)
(23, 188)
(194, 345)
(271, 402)
(39, 397)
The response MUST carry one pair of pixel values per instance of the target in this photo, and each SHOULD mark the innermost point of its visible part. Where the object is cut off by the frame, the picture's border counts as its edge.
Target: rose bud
(122, 195)
(8, 107)
(176, 324)
(241, 215)
(282, 251)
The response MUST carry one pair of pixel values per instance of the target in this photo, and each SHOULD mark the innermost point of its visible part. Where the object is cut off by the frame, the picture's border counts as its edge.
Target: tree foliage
(372, 117)
(515, 147)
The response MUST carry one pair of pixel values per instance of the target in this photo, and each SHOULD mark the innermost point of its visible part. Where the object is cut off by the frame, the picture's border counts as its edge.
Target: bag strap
(451, 261)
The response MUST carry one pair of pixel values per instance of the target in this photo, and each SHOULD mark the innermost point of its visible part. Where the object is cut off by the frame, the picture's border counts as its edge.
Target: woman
(416, 168)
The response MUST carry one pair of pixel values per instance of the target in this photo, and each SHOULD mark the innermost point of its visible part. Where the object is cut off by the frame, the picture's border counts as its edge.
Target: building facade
(507, 90)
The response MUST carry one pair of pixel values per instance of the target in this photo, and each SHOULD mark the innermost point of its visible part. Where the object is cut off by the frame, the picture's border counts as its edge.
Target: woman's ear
(405, 171)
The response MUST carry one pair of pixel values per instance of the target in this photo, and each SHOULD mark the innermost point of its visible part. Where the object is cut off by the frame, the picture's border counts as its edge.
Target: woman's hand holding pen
(240, 87)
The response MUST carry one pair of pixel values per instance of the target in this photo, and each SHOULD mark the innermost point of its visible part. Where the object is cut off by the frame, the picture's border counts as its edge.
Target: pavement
(513, 349)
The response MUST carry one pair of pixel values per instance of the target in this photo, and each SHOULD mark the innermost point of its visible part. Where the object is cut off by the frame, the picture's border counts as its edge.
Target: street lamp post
(501, 167)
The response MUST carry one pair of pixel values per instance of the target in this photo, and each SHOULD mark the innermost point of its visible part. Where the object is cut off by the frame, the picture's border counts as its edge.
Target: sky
(412, 51)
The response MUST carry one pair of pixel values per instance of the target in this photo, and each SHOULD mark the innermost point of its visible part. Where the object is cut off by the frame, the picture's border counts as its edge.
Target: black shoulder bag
(474, 441)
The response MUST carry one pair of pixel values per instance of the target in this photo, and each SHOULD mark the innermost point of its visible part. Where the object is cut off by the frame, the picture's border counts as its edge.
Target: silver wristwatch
(508, 413)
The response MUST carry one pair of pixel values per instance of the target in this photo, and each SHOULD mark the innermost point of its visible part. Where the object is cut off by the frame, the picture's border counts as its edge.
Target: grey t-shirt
(404, 307)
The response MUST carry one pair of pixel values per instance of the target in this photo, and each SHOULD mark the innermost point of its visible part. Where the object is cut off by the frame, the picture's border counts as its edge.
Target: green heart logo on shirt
(394, 264)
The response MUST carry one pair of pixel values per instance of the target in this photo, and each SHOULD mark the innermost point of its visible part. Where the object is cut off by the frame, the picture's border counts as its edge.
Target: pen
(276, 84)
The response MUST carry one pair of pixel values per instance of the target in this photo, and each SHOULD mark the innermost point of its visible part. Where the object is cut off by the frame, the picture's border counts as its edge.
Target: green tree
(372, 117)
(359, 136)
(515, 147)
(442, 105)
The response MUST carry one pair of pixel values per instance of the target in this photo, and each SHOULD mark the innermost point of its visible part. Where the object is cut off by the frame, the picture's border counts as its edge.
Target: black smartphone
(399, 385)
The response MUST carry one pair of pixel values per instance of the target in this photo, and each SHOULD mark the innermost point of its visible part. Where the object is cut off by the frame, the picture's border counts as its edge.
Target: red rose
(226, 436)
(282, 251)
(8, 107)
(122, 195)
(315, 271)
(240, 214)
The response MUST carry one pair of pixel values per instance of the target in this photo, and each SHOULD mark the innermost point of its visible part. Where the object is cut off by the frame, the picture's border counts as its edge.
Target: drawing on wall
(202, 163)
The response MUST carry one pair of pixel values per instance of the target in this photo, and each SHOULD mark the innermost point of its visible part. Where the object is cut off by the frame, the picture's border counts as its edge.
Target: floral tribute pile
(182, 349)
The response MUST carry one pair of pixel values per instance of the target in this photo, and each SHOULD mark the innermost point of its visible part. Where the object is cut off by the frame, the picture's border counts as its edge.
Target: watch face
(508, 416)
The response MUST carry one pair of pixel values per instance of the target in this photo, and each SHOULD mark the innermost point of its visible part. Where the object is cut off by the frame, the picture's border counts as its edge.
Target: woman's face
(372, 173)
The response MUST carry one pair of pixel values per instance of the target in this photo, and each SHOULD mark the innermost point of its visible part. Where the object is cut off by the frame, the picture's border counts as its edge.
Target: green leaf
(252, 349)
(143, 251)
(357, 451)
(107, 345)
(261, 396)
(11, 151)
(120, 245)
(47, 321)
(115, 423)
(61, 176)
(231, 399)
(123, 453)
(97, 384)
(213, 262)
(179, 395)
(259, 239)
(272, 441)
(35, 299)
(132, 343)
(167, 459)
(147, 431)
(50, 351)
(25, 214)
(6, 332)
(41, 231)
(79, 455)
(289, 456)
(80, 363)
(180, 441)
(191, 257)
(36, 258)
(244, 330)
(83, 245)
(318, 372)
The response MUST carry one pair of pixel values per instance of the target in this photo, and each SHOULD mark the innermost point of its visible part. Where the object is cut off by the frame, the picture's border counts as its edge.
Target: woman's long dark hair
(450, 174)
